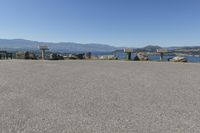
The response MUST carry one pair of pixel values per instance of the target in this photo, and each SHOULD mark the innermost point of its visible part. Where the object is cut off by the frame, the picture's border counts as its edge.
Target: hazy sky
(116, 22)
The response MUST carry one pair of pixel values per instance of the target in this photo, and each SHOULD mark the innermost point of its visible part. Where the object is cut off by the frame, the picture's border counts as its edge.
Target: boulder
(75, 56)
(88, 55)
(107, 57)
(56, 57)
(141, 57)
(178, 59)
(26, 55)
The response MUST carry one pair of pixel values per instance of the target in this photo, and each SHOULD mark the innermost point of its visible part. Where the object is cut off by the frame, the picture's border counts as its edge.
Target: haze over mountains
(63, 46)
(21, 44)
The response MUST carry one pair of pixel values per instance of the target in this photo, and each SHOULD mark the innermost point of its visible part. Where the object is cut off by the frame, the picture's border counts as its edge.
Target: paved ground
(99, 97)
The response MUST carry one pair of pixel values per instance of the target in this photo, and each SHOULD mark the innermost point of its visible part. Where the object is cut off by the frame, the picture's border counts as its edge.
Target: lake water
(155, 58)
(189, 58)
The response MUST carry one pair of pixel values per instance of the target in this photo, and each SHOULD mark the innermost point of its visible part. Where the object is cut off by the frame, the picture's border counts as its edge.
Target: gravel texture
(99, 97)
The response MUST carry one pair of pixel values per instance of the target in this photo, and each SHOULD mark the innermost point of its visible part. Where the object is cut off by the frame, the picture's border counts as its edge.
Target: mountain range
(62, 46)
(21, 44)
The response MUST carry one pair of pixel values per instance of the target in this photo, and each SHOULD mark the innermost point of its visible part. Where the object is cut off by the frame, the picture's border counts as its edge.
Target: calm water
(189, 58)
(155, 58)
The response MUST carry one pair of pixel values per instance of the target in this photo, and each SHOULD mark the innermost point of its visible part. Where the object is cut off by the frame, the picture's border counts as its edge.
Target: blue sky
(134, 23)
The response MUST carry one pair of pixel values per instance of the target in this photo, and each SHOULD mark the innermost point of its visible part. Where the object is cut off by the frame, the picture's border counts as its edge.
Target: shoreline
(132, 61)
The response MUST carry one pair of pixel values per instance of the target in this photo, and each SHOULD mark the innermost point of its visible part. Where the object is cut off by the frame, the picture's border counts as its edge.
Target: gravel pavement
(99, 97)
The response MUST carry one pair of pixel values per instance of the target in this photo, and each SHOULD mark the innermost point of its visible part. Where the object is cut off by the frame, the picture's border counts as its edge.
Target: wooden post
(161, 56)
(161, 52)
(43, 49)
(43, 54)
(128, 53)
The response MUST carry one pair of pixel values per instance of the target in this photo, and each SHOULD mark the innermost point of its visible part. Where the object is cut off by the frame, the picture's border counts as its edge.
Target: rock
(56, 57)
(80, 56)
(178, 59)
(26, 55)
(141, 57)
(75, 56)
(88, 55)
(107, 57)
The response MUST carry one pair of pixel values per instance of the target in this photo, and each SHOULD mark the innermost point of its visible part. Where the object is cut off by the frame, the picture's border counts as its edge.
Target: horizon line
(57, 42)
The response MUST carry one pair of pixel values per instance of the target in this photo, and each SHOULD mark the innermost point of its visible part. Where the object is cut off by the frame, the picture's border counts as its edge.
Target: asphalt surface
(99, 97)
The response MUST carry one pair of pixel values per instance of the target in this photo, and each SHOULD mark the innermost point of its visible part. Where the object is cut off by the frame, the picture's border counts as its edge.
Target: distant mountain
(151, 48)
(63, 46)
(20, 44)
